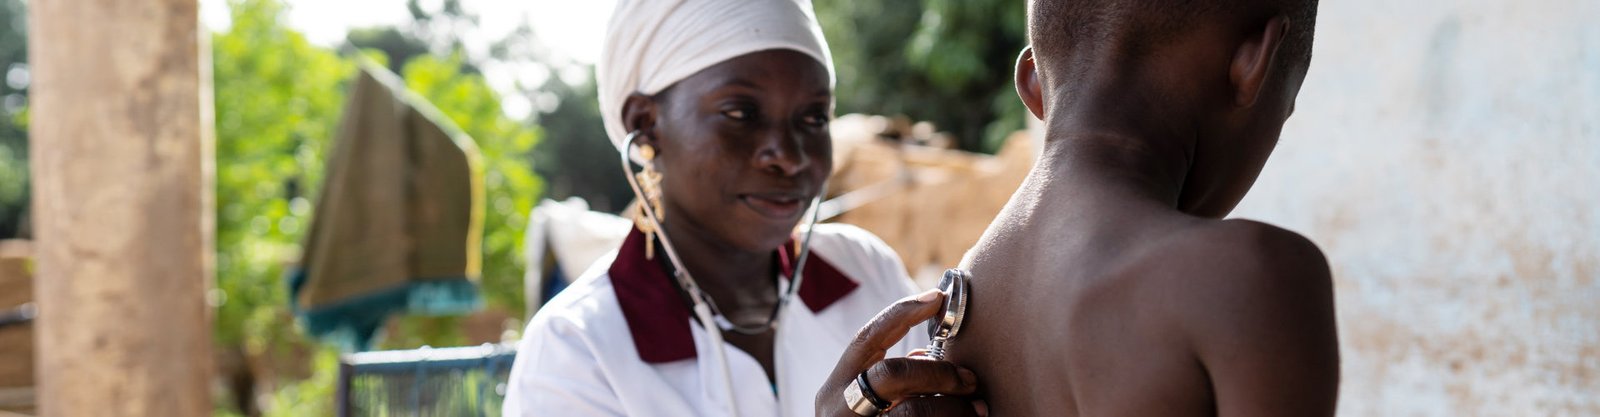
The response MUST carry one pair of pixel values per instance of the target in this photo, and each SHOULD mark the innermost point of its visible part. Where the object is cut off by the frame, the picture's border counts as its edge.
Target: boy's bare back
(1110, 285)
(1171, 317)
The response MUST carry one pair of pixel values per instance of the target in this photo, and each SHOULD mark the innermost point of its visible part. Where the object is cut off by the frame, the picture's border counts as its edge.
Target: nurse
(721, 110)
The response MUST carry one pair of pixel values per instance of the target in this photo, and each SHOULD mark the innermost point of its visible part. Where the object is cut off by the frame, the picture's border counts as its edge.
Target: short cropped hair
(1063, 28)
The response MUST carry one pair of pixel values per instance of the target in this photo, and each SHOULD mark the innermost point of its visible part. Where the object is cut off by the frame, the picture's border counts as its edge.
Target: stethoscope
(703, 306)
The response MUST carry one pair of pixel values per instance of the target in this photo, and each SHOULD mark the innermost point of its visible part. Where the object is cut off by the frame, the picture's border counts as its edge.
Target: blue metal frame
(491, 358)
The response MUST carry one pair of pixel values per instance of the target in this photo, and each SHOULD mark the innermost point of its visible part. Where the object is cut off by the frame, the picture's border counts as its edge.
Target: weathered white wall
(1446, 156)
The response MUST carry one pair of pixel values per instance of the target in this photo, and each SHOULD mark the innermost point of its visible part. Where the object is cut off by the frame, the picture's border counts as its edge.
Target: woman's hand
(908, 384)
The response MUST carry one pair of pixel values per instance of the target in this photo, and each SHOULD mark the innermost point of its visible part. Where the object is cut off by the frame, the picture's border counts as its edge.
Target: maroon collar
(657, 316)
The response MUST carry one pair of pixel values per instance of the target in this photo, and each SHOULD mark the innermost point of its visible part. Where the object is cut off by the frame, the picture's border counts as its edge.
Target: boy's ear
(639, 113)
(1254, 61)
(1028, 87)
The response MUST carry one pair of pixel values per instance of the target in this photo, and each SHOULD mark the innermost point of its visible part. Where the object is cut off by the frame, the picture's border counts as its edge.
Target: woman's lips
(777, 207)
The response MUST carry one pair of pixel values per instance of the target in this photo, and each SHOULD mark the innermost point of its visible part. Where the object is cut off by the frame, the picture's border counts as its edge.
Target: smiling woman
(725, 106)
(743, 145)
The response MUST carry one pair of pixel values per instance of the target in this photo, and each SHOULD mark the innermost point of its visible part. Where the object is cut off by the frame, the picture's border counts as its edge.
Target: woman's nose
(782, 152)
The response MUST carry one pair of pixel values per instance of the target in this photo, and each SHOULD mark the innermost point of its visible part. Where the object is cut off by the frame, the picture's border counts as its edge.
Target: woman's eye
(737, 114)
(816, 120)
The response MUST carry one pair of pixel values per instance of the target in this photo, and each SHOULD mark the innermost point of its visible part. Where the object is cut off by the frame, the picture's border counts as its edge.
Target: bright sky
(573, 29)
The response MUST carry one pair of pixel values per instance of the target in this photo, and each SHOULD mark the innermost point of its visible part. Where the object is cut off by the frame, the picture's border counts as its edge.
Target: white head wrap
(651, 44)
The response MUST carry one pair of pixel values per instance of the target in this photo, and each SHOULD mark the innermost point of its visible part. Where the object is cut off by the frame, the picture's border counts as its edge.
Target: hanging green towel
(399, 222)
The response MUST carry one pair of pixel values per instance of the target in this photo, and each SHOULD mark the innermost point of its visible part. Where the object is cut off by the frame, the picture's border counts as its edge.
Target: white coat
(620, 341)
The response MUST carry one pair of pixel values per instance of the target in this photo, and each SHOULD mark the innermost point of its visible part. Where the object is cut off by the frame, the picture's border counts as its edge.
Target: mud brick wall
(16, 342)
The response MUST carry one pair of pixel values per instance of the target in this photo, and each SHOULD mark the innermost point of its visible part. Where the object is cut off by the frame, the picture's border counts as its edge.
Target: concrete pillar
(122, 176)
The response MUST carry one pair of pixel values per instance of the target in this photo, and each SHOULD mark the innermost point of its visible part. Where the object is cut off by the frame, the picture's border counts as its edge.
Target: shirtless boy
(1110, 285)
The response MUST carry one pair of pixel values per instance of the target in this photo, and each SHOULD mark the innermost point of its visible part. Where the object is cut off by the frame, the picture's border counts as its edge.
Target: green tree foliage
(14, 80)
(430, 31)
(397, 47)
(278, 102)
(955, 70)
(576, 157)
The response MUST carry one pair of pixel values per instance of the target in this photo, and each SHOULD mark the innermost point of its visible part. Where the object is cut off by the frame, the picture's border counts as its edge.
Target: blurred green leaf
(944, 61)
(14, 187)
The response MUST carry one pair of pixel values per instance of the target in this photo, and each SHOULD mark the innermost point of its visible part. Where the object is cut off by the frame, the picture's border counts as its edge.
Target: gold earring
(650, 184)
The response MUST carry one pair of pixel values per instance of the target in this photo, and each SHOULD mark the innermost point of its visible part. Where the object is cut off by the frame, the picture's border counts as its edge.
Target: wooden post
(121, 154)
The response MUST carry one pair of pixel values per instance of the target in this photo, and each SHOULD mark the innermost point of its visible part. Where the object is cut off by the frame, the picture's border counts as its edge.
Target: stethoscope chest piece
(947, 323)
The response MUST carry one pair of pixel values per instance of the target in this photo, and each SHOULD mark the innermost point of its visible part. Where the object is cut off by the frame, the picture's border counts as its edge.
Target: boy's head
(1224, 72)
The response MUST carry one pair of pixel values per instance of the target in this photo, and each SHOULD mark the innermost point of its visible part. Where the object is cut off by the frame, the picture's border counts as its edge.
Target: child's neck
(1115, 157)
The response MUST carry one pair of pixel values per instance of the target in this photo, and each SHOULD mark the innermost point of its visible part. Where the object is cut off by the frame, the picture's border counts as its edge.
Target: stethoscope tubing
(702, 310)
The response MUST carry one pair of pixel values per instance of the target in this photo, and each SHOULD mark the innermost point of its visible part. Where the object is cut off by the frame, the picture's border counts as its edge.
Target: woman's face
(743, 146)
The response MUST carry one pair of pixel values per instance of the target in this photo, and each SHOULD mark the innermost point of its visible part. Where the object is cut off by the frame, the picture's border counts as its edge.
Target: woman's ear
(639, 114)
(1028, 87)
(1254, 61)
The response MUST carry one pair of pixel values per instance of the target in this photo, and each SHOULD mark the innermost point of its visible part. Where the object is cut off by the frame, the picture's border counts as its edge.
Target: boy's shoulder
(1238, 252)
(1231, 280)
(1253, 303)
